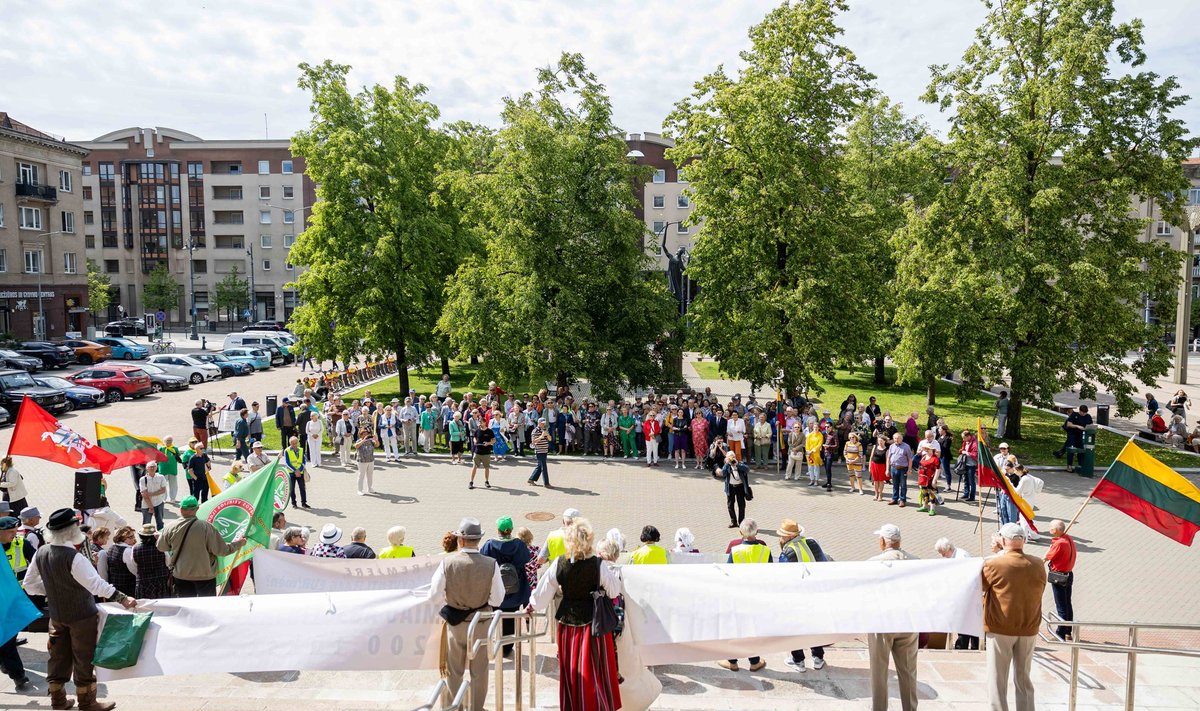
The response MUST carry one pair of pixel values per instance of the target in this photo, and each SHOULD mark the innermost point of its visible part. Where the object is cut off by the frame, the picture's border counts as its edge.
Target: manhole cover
(540, 516)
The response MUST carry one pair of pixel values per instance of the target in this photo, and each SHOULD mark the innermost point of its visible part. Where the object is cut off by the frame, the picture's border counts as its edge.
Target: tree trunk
(445, 365)
(474, 360)
(930, 390)
(1012, 429)
(562, 380)
(402, 365)
(880, 373)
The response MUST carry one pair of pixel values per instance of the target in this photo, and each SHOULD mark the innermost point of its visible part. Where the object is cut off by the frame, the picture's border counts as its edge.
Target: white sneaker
(818, 664)
(798, 666)
(676, 465)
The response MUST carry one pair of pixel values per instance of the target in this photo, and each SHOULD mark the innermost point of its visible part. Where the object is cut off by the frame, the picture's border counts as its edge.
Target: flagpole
(1097, 486)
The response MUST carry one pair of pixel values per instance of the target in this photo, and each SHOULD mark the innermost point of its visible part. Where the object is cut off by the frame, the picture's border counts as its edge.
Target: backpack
(511, 577)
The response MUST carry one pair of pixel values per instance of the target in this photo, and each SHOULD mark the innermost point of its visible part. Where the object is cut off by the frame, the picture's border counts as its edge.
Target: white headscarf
(684, 540)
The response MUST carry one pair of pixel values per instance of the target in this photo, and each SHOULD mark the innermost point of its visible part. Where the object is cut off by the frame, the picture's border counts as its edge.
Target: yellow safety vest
(555, 545)
(16, 555)
(396, 552)
(294, 459)
(751, 553)
(649, 554)
(799, 545)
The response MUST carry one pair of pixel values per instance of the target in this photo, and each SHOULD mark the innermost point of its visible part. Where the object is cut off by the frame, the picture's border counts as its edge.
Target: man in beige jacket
(193, 545)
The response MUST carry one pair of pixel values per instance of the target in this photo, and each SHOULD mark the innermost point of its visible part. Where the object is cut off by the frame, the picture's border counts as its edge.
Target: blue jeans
(541, 470)
(1007, 508)
(969, 481)
(1062, 603)
(899, 483)
(156, 513)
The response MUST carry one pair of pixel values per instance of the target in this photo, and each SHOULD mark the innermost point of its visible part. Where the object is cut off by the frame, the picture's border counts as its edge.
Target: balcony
(44, 193)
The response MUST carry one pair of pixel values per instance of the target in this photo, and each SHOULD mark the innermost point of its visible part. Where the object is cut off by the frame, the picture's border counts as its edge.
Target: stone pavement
(1125, 570)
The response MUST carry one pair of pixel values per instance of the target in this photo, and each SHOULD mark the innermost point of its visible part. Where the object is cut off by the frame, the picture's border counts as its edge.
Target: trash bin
(272, 405)
(1102, 415)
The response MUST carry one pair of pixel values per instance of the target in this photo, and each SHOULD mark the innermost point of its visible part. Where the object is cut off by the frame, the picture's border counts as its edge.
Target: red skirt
(879, 472)
(587, 671)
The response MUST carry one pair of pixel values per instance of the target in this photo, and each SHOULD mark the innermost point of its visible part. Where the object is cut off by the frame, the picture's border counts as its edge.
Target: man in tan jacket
(192, 546)
(1013, 583)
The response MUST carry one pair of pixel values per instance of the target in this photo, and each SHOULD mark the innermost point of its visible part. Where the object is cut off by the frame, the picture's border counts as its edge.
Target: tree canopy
(232, 293)
(161, 292)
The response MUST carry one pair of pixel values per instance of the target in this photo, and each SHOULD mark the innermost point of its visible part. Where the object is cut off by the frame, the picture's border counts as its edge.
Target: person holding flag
(194, 546)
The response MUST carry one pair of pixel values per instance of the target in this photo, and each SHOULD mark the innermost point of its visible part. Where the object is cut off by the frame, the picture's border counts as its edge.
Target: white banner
(346, 631)
(696, 613)
(277, 573)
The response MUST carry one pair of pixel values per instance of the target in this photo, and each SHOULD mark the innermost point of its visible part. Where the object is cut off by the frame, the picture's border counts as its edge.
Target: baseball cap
(1004, 445)
(572, 513)
(189, 502)
(504, 523)
(889, 531)
(1010, 531)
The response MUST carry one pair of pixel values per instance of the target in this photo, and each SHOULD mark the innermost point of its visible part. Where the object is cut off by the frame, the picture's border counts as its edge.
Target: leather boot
(88, 702)
(58, 697)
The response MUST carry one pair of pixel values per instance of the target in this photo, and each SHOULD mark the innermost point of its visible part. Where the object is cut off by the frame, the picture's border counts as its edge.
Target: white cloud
(82, 69)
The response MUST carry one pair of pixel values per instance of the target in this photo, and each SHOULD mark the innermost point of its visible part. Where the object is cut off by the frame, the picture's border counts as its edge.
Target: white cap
(1010, 531)
(572, 513)
(889, 531)
(1003, 445)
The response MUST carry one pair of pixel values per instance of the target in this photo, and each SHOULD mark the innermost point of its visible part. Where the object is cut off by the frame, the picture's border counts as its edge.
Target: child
(854, 463)
(927, 480)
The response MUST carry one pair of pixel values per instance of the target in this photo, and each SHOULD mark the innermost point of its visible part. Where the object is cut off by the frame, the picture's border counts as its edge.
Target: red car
(117, 381)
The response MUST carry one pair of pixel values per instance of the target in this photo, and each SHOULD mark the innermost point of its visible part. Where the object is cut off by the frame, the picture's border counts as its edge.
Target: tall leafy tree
(161, 292)
(379, 246)
(779, 273)
(99, 285)
(1032, 266)
(232, 293)
(561, 291)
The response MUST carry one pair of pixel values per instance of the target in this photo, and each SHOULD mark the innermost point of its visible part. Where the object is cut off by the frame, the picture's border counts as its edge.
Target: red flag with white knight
(38, 434)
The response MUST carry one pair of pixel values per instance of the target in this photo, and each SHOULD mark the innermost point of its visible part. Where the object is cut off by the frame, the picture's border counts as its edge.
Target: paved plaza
(1125, 571)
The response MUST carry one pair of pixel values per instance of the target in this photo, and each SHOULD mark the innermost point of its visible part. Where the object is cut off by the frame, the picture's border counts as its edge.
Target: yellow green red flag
(128, 448)
(1144, 488)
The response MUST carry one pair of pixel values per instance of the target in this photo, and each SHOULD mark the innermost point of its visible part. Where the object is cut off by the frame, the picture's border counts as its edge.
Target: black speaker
(87, 488)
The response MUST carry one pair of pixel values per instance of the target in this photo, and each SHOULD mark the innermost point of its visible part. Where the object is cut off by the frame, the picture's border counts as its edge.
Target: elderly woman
(12, 485)
(315, 431)
(587, 664)
(1177, 432)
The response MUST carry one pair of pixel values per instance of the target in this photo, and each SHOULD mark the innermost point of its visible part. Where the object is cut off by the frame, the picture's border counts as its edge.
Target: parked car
(229, 368)
(125, 327)
(265, 341)
(117, 381)
(16, 384)
(266, 326)
(124, 348)
(52, 355)
(12, 359)
(88, 352)
(77, 395)
(161, 380)
(255, 357)
(5, 417)
(196, 371)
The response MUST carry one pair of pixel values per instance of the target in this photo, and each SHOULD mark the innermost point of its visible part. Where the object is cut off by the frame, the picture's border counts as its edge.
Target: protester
(193, 546)
(794, 547)
(685, 542)
(150, 566)
(587, 663)
(17, 549)
(71, 586)
(482, 456)
(257, 459)
(116, 565)
(946, 549)
(153, 487)
(364, 454)
(748, 550)
(650, 553)
(169, 467)
(315, 431)
(464, 583)
(900, 461)
(736, 478)
(200, 421)
(512, 555)
(293, 541)
(328, 547)
(879, 467)
(198, 465)
(927, 477)
(555, 545)
(12, 485)
(293, 464)
(358, 547)
(541, 449)
(852, 453)
(902, 646)
(31, 517)
(396, 547)
(1077, 422)
(1060, 559)
(1013, 583)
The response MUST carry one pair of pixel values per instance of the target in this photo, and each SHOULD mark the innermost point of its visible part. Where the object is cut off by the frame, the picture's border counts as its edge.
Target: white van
(277, 348)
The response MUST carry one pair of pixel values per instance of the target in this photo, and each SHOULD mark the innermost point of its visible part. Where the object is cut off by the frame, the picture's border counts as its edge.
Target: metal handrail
(1131, 650)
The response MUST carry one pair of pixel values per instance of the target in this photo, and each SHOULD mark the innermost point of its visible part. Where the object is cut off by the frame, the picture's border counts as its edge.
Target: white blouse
(547, 587)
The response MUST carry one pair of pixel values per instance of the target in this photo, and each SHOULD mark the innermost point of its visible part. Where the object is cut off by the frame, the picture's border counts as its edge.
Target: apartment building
(159, 196)
(1158, 228)
(665, 206)
(43, 275)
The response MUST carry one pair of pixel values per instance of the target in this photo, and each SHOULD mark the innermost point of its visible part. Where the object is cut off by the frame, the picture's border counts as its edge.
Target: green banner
(244, 509)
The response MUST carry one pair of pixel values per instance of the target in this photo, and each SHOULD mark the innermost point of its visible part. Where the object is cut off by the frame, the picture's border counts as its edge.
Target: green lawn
(710, 370)
(1042, 430)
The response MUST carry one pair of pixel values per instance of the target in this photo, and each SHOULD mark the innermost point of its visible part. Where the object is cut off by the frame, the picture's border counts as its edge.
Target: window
(289, 217)
(68, 222)
(266, 265)
(264, 217)
(64, 180)
(33, 261)
(681, 229)
(200, 266)
(229, 242)
(660, 176)
(287, 167)
(1, 215)
(87, 169)
(659, 225)
(679, 176)
(89, 217)
(288, 192)
(264, 192)
(264, 241)
(31, 218)
(87, 192)
(108, 241)
(1193, 197)
(195, 170)
(289, 240)
(27, 174)
(3, 261)
(659, 201)
(264, 167)
(112, 266)
(683, 201)
(69, 263)
(1163, 228)
(106, 171)
(89, 241)
(289, 266)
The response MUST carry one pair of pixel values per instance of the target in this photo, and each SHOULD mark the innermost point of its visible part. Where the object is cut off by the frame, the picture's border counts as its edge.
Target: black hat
(62, 518)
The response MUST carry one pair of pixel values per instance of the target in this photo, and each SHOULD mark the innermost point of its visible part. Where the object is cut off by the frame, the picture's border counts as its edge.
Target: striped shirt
(541, 442)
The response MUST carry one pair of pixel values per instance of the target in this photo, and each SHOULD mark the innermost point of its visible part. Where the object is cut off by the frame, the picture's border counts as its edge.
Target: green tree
(1031, 265)
(379, 246)
(161, 292)
(232, 294)
(562, 290)
(777, 263)
(99, 285)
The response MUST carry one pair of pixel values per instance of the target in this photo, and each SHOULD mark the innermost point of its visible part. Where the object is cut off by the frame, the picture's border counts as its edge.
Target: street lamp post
(39, 331)
(191, 248)
(253, 295)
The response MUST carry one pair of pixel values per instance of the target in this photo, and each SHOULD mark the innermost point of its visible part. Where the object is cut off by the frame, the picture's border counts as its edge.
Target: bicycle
(163, 347)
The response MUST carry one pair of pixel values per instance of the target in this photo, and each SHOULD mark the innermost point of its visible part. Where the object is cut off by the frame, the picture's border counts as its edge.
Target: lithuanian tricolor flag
(1140, 486)
(129, 448)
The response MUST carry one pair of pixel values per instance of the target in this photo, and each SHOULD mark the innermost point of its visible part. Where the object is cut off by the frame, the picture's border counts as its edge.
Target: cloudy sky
(214, 68)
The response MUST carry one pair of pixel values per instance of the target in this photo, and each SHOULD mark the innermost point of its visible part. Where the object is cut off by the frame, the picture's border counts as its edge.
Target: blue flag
(16, 610)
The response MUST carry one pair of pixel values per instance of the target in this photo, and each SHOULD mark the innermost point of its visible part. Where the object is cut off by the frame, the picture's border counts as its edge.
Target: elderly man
(465, 583)
(946, 549)
(31, 517)
(900, 463)
(902, 647)
(794, 547)
(408, 416)
(358, 547)
(293, 464)
(555, 546)
(1013, 583)
(192, 546)
(748, 550)
(1060, 560)
(71, 586)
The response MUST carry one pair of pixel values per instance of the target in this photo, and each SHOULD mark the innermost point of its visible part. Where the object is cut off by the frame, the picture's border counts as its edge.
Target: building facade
(43, 273)
(665, 205)
(200, 208)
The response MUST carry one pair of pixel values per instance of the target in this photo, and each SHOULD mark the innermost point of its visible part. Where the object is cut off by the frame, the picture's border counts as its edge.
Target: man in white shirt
(930, 443)
(257, 459)
(153, 488)
(442, 391)
(465, 583)
(408, 427)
